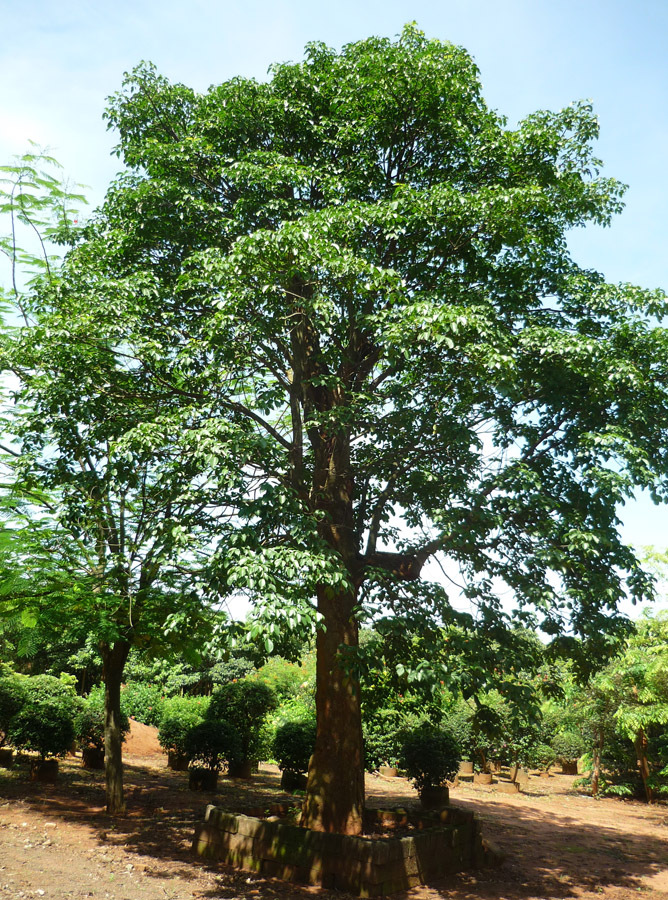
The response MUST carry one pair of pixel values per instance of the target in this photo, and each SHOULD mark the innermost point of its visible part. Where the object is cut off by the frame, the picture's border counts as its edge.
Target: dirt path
(56, 842)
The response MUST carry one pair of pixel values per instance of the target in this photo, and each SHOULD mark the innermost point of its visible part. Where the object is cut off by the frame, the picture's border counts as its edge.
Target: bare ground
(56, 841)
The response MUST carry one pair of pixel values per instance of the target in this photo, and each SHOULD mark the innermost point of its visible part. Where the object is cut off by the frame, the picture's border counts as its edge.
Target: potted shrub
(431, 757)
(209, 745)
(244, 705)
(292, 748)
(89, 729)
(45, 724)
(12, 697)
(382, 740)
(568, 747)
(179, 716)
(541, 757)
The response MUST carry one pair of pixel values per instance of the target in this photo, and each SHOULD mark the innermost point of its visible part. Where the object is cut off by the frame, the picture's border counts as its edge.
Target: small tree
(568, 747)
(634, 687)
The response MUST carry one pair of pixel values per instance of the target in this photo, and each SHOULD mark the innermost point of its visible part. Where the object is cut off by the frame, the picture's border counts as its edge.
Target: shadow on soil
(544, 852)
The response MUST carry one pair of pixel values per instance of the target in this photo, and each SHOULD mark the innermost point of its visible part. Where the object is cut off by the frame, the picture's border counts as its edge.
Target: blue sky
(62, 59)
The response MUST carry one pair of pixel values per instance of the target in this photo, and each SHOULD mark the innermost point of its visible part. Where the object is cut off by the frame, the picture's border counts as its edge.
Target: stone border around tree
(441, 843)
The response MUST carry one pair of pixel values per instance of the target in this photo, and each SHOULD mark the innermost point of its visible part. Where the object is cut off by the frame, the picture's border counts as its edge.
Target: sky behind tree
(63, 59)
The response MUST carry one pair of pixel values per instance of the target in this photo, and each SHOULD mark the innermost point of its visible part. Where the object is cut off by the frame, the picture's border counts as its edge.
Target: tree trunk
(114, 658)
(596, 759)
(643, 763)
(335, 785)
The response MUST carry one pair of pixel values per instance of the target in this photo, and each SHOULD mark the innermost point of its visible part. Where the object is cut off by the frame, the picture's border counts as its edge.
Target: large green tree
(352, 283)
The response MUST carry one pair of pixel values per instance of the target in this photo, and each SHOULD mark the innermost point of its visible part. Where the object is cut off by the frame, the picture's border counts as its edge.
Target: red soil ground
(56, 841)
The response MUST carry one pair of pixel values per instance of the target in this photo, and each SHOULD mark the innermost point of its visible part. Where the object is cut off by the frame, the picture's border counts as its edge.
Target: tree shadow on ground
(548, 856)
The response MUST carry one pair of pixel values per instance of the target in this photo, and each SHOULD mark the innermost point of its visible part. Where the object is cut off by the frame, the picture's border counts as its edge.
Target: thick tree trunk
(335, 786)
(114, 658)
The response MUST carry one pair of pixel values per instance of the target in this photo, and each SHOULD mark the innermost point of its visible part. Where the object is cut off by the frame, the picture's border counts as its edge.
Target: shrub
(212, 743)
(245, 706)
(179, 716)
(89, 721)
(12, 698)
(382, 738)
(286, 679)
(541, 756)
(142, 701)
(567, 746)
(45, 721)
(457, 719)
(430, 756)
(293, 745)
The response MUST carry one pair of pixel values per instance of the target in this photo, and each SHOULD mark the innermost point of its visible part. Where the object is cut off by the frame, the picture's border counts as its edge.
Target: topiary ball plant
(211, 744)
(45, 722)
(430, 756)
(12, 698)
(568, 747)
(293, 745)
(541, 756)
(179, 717)
(244, 705)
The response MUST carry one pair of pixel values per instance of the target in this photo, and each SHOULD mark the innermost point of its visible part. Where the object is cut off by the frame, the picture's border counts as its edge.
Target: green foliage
(319, 317)
(179, 716)
(12, 698)
(458, 720)
(624, 711)
(541, 756)
(89, 721)
(212, 743)
(45, 721)
(430, 757)
(384, 731)
(143, 701)
(293, 745)
(567, 746)
(244, 705)
(286, 679)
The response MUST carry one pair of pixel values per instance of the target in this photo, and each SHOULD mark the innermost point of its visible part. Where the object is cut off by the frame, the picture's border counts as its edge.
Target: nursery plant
(430, 757)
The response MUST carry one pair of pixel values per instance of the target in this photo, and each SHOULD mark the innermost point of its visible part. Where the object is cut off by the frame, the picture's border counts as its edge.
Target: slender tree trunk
(114, 658)
(596, 754)
(335, 786)
(643, 763)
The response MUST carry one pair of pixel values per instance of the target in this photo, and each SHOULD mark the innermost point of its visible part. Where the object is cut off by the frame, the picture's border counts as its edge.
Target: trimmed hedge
(45, 721)
(430, 756)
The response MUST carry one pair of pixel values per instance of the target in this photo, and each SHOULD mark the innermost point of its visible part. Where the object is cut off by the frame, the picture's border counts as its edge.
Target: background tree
(351, 284)
(635, 685)
(104, 535)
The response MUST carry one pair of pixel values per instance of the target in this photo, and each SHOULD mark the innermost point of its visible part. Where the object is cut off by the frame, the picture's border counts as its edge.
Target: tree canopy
(339, 306)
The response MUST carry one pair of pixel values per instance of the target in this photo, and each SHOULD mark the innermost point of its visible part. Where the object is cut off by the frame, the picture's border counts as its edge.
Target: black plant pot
(434, 797)
(45, 770)
(203, 780)
(293, 781)
(92, 758)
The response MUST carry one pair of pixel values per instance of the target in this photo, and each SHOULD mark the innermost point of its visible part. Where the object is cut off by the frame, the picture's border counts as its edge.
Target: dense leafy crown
(341, 304)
